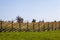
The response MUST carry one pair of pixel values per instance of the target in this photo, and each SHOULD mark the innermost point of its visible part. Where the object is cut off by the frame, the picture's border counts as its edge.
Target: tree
(54, 20)
(42, 20)
(19, 19)
(39, 21)
(33, 20)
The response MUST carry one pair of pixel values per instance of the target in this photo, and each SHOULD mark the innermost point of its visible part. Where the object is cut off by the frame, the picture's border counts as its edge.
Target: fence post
(55, 25)
(33, 26)
(1, 26)
(52, 27)
(44, 27)
(27, 29)
(59, 25)
(38, 26)
(19, 26)
(48, 27)
(12, 26)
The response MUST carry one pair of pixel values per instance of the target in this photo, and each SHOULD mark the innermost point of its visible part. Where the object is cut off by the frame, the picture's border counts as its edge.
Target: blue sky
(48, 10)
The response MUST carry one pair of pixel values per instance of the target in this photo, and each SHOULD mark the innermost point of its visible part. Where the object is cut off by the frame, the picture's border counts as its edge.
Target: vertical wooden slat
(38, 26)
(48, 27)
(19, 26)
(12, 26)
(33, 26)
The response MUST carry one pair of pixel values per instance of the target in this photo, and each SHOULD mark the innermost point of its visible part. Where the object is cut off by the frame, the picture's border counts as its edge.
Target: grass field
(50, 35)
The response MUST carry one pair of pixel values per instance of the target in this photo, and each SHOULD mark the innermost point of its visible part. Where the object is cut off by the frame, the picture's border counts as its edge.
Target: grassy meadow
(47, 35)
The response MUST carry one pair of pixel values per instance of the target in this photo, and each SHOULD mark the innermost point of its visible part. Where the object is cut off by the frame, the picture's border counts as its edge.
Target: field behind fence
(28, 27)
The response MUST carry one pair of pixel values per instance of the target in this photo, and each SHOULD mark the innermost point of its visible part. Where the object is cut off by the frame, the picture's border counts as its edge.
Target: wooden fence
(28, 27)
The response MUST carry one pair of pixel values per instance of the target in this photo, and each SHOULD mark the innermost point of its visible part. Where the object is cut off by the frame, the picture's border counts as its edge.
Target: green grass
(50, 35)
